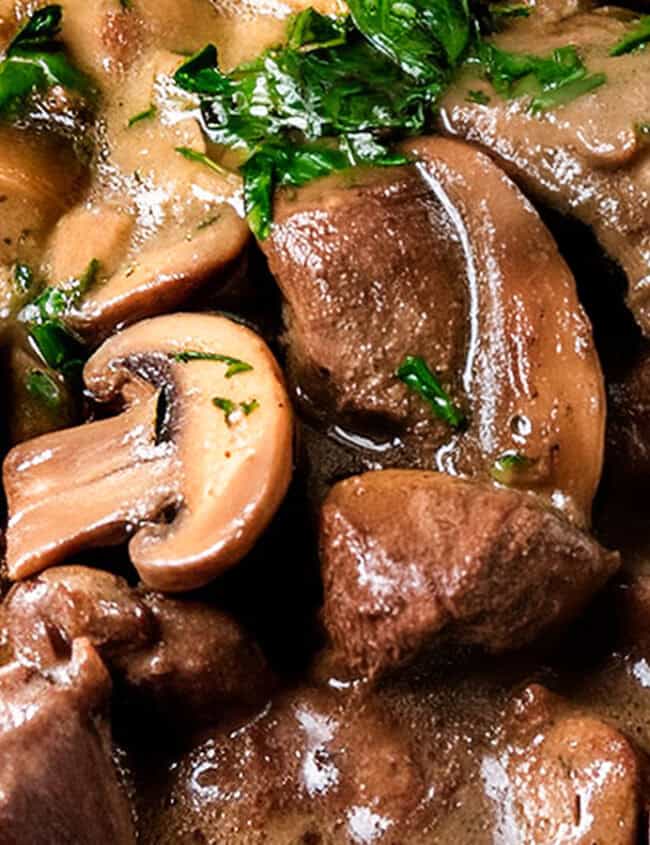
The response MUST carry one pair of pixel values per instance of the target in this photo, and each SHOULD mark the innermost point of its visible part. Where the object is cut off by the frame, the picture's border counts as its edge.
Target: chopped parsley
(43, 387)
(636, 37)
(59, 347)
(202, 158)
(249, 407)
(550, 80)
(225, 405)
(23, 278)
(343, 90)
(235, 366)
(477, 96)
(508, 467)
(417, 376)
(146, 114)
(36, 60)
(229, 407)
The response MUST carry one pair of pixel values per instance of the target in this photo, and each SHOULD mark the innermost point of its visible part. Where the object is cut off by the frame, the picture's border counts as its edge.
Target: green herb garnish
(35, 61)
(417, 376)
(23, 278)
(509, 10)
(147, 114)
(636, 37)
(307, 110)
(59, 347)
(225, 405)
(202, 158)
(343, 90)
(249, 407)
(550, 80)
(229, 407)
(43, 387)
(477, 96)
(508, 467)
(234, 364)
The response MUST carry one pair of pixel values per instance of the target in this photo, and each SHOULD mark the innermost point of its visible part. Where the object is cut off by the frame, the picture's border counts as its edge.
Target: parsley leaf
(202, 158)
(234, 364)
(307, 109)
(59, 347)
(417, 376)
(636, 37)
(343, 90)
(146, 114)
(551, 80)
(425, 38)
(36, 60)
(509, 468)
(43, 387)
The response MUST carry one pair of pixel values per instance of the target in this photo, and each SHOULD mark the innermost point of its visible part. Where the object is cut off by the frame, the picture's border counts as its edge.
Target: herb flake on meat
(417, 376)
(636, 37)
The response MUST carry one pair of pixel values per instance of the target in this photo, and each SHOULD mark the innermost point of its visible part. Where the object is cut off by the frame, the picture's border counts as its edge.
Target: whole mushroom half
(194, 467)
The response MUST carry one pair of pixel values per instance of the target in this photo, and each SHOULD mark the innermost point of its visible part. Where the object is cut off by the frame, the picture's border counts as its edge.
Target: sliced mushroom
(162, 224)
(38, 180)
(587, 158)
(469, 280)
(206, 432)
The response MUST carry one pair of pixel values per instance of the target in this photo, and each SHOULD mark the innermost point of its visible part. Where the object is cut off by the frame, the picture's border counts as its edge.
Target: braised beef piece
(585, 158)
(560, 775)
(447, 261)
(446, 759)
(175, 656)
(315, 767)
(412, 559)
(58, 783)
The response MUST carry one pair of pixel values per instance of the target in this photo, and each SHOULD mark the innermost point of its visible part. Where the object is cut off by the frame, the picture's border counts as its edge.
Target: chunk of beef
(412, 559)
(314, 767)
(447, 261)
(562, 776)
(58, 784)
(586, 157)
(177, 657)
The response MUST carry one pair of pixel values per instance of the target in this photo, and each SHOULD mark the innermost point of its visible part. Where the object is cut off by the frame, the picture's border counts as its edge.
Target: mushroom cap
(192, 470)
(232, 476)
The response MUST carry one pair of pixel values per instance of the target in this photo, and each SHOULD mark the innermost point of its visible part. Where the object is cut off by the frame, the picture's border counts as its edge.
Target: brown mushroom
(38, 179)
(161, 224)
(471, 281)
(206, 433)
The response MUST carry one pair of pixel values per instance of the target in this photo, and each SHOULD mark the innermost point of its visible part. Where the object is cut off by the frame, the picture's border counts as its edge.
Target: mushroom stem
(114, 466)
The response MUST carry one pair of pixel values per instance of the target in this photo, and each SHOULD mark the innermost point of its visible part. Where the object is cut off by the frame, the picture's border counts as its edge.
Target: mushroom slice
(38, 180)
(206, 431)
(469, 285)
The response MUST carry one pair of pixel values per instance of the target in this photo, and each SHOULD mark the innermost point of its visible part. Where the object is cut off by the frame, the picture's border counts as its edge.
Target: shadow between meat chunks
(173, 657)
(446, 260)
(414, 559)
(560, 775)
(628, 423)
(58, 784)
(585, 158)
